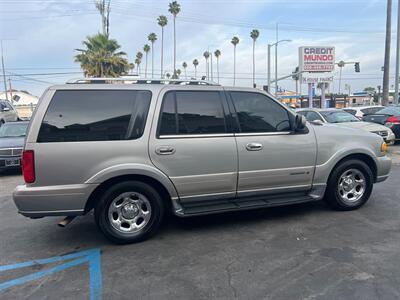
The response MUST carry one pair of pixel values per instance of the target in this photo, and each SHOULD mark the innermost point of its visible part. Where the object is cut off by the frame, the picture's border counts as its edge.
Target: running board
(245, 203)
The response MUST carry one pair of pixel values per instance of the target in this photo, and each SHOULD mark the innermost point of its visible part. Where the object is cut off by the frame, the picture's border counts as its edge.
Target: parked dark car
(388, 116)
(12, 136)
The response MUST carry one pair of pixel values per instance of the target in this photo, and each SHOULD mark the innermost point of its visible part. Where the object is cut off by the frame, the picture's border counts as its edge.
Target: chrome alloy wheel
(129, 212)
(351, 185)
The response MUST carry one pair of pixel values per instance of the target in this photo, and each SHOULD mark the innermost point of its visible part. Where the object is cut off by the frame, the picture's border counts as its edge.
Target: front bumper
(60, 200)
(383, 165)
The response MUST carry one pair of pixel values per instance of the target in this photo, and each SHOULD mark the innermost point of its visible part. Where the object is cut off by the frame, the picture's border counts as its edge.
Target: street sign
(317, 59)
(316, 77)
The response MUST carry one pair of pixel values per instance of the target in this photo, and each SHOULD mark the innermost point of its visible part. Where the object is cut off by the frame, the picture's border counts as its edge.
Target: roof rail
(136, 80)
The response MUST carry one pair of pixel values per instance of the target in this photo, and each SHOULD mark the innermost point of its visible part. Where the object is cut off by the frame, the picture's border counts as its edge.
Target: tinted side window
(95, 115)
(258, 113)
(352, 111)
(8, 105)
(197, 112)
(2, 105)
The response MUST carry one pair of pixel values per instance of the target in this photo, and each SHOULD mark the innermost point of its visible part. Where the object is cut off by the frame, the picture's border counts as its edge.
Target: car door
(11, 114)
(193, 145)
(272, 158)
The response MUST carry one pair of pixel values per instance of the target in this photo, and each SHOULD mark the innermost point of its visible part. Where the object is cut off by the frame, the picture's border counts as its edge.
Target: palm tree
(217, 54)
(195, 64)
(100, 57)
(138, 61)
(146, 49)
(254, 34)
(178, 73)
(162, 21)
(174, 9)
(152, 38)
(168, 75)
(234, 41)
(184, 65)
(206, 55)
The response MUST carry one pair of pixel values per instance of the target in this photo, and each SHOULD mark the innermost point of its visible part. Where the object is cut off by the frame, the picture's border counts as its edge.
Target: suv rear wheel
(129, 212)
(350, 185)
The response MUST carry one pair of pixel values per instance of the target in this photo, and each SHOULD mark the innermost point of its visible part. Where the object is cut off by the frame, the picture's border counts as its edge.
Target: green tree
(174, 9)
(370, 90)
(168, 75)
(195, 64)
(152, 38)
(138, 61)
(234, 41)
(217, 54)
(146, 49)
(206, 55)
(178, 73)
(101, 57)
(184, 65)
(162, 21)
(254, 34)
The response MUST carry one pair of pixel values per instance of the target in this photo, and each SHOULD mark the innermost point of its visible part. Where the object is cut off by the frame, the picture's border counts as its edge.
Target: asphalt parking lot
(298, 252)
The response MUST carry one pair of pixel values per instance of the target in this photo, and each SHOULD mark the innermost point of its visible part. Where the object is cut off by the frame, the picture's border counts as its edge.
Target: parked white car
(360, 111)
(345, 119)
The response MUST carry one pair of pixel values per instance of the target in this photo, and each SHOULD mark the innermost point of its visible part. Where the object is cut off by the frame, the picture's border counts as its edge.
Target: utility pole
(4, 71)
(385, 85)
(340, 65)
(276, 60)
(396, 85)
(269, 68)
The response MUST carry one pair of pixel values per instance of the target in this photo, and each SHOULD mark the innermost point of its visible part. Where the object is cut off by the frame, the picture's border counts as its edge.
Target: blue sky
(40, 36)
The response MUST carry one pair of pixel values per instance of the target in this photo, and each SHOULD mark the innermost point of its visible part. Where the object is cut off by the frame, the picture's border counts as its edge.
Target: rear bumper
(383, 164)
(61, 200)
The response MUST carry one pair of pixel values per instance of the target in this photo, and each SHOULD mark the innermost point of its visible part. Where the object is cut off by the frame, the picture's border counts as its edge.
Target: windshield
(13, 129)
(338, 116)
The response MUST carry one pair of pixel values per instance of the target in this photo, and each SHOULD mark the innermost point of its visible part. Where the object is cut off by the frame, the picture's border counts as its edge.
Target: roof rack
(135, 80)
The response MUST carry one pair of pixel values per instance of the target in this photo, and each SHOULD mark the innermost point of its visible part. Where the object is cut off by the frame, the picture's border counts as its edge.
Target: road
(298, 252)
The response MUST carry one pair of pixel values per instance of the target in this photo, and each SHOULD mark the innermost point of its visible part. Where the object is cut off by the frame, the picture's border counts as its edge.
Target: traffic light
(357, 67)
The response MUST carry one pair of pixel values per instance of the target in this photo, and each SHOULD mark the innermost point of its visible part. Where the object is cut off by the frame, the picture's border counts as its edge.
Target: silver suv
(7, 112)
(135, 150)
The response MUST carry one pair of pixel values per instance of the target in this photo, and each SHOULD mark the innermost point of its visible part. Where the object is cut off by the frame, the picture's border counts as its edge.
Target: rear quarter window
(95, 115)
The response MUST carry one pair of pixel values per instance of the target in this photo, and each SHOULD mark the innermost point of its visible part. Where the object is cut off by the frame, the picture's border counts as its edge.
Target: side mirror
(300, 122)
(317, 122)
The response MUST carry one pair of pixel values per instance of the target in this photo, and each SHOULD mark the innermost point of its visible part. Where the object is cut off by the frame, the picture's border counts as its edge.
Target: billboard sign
(317, 59)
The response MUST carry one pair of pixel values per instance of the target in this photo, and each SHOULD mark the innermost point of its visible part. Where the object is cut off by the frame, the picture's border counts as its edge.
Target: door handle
(254, 146)
(165, 150)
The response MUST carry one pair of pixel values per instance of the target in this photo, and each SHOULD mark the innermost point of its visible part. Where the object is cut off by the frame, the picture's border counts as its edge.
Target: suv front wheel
(350, 185)
(129, 212)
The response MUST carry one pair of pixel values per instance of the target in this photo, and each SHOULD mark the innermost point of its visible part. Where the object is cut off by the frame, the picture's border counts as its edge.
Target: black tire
(104, 223)
(332, 195)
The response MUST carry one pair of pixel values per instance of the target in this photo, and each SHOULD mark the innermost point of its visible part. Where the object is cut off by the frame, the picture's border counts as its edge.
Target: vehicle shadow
(247, 217)
(83, 231)
(11, 172)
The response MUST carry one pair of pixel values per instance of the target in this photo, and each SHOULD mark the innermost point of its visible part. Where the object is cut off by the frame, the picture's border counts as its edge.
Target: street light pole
(4, 72)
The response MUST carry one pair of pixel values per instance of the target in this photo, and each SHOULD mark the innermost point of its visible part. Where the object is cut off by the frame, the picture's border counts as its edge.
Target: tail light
(28, 166)
(393, 120)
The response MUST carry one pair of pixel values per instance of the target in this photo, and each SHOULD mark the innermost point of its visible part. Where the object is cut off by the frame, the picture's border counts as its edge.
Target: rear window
(371, 110)
(95, 115)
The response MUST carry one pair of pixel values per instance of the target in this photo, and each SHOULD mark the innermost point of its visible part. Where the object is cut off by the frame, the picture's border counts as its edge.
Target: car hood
(12, 142)
(364, 125)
